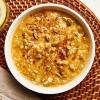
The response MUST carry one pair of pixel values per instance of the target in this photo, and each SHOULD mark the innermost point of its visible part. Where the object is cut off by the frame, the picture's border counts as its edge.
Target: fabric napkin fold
(10, 89)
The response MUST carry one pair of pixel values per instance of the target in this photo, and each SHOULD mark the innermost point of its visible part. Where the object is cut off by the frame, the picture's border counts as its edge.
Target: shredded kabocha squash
(50, 48)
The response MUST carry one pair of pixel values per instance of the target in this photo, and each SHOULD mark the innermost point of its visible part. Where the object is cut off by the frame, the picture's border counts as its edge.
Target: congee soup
(50, 48)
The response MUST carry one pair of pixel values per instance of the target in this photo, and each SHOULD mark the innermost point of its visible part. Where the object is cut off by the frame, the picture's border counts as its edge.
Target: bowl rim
(54, 90)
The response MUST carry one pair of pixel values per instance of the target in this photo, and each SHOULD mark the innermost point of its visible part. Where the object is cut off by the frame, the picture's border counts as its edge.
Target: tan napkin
(10, 89)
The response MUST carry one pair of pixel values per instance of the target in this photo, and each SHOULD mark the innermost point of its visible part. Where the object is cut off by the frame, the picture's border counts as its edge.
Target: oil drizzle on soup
(50, 48)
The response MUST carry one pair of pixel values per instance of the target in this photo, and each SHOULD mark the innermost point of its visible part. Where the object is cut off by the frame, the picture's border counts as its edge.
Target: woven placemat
(89, 88)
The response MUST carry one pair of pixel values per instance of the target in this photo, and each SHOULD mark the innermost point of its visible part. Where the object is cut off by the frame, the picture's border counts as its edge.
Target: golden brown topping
(68, 21)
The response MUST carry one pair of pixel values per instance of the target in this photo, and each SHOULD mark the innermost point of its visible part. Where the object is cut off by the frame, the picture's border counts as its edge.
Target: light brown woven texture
(89, 88)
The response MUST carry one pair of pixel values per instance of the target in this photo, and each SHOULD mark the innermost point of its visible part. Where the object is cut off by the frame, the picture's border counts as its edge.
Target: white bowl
(27, 83)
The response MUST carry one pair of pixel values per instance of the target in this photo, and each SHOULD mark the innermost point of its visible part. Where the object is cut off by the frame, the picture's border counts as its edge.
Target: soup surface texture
(50, 48)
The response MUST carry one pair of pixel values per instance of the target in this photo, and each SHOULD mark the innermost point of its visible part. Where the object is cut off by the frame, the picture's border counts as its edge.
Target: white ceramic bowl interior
(27, 83)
